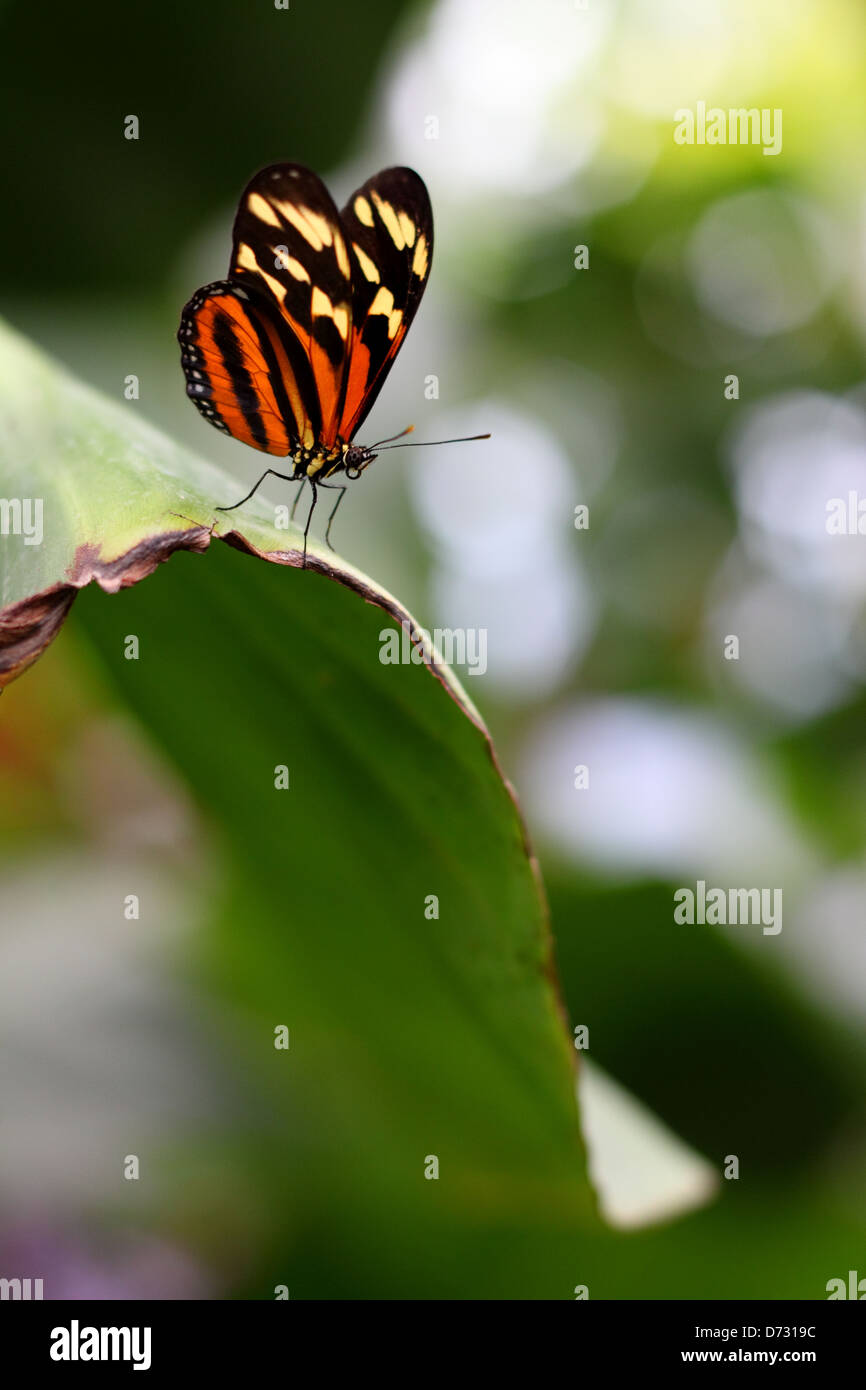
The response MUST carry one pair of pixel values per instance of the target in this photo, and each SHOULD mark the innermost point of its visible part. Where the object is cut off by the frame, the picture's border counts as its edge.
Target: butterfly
(289, 353)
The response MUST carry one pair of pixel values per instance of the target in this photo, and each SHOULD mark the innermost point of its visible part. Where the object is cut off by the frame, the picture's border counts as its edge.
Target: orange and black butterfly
(289, 353)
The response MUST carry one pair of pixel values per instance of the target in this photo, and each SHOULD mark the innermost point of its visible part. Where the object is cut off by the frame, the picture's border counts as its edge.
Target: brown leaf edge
(30, 625)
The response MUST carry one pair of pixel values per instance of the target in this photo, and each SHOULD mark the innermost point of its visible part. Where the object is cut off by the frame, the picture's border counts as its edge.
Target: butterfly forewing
(388, 224)
(289, 244)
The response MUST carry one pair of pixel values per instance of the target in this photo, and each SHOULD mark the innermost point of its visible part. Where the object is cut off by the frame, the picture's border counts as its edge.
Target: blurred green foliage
(220, 89)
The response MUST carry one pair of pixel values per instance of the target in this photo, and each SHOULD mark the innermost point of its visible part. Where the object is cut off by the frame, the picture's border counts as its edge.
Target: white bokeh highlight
(794, 648)
(672, 793)
(792, 456)
(502, 80)
(500, 516)
(763, 262)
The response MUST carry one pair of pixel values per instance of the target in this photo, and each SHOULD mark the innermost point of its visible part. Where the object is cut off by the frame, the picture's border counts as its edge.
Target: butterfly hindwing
(244, 373)
(289, 244)
(388, 224)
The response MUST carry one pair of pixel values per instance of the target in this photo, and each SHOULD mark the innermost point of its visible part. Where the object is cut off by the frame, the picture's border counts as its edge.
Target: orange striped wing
(239, 372)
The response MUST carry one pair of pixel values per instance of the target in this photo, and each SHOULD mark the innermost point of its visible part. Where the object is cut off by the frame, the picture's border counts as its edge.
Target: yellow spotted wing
(388, 225)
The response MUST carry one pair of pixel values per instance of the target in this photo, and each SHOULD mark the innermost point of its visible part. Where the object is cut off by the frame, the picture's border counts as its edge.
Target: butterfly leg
(267, 471)
(333, 487)
(309, 519)
(297, 499)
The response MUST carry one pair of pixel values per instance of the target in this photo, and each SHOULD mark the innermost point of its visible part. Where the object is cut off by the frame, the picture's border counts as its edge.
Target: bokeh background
(538, 128)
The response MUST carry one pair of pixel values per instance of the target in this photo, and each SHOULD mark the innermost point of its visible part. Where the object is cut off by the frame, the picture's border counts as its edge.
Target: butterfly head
(355, 460)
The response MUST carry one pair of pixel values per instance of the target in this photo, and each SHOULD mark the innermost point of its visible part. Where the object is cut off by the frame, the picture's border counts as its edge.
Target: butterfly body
(289, 353)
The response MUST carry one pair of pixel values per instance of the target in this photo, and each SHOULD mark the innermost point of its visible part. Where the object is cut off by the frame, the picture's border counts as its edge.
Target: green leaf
(413, 1036)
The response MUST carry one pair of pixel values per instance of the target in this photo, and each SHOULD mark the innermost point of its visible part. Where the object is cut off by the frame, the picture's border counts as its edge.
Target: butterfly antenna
(407, 430)
(429, 443)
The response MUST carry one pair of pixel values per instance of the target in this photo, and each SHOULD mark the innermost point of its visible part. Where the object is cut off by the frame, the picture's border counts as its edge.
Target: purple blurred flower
(75, 1265)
